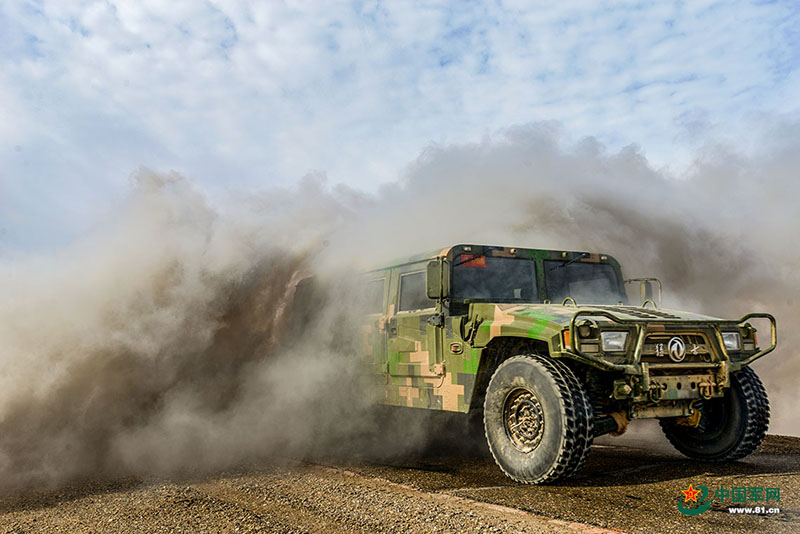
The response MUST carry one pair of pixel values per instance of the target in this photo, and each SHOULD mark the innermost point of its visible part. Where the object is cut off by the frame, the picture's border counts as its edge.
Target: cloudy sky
(243, 96)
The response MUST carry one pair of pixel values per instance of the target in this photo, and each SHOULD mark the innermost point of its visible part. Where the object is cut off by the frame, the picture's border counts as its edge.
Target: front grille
(656, 348)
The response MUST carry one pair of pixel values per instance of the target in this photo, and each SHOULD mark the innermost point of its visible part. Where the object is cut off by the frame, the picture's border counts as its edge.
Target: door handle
(436, 319)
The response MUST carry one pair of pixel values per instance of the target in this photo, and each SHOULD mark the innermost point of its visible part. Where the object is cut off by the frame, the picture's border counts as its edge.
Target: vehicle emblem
(676, 349)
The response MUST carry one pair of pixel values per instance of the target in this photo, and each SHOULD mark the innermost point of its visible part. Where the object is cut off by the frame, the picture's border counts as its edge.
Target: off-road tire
(731, 427)
(559, 398)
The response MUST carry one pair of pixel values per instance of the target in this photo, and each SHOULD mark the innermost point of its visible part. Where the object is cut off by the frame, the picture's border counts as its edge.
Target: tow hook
(655, 393)
(706, 390)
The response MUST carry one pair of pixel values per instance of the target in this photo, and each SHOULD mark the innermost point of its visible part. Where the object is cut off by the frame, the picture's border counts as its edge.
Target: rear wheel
(730, 427)
(537, 419)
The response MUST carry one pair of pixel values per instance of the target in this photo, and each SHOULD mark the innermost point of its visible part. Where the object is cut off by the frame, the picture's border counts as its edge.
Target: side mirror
(438, 279)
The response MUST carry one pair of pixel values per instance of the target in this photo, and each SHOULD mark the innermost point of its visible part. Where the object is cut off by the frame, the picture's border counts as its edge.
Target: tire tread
(757, 404)
(578, 435)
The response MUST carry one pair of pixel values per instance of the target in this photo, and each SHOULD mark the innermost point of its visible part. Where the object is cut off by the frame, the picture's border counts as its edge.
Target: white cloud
(240, 96)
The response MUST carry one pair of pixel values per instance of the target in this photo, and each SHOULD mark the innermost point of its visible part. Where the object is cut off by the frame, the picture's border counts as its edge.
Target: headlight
(732, 340)
(613, 341)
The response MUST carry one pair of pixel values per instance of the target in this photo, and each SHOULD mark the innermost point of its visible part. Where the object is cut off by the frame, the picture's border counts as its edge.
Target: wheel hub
(523, 419)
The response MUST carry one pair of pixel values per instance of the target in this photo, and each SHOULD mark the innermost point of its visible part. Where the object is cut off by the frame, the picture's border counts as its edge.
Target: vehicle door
(414, 337)
(374, 292)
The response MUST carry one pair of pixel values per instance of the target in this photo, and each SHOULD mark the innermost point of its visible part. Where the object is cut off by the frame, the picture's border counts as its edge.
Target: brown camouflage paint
(414, 358)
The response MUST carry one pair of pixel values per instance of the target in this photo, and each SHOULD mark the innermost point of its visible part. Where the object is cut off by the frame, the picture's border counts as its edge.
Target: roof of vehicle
(511, 252)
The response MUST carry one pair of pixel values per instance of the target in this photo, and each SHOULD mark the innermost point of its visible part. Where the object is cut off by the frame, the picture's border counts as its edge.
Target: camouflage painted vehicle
(544, 347)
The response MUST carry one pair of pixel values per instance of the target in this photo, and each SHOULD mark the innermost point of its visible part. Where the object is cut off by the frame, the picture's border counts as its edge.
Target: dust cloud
(165, 342)
(157, 346)
(720, 237)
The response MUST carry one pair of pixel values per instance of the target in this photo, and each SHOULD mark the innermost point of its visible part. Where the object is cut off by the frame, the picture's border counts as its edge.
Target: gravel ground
(628, 485)
(631, 484)
(302, 498)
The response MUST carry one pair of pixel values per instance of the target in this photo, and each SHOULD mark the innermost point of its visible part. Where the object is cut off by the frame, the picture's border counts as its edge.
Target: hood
(563, 314)
(543, 321)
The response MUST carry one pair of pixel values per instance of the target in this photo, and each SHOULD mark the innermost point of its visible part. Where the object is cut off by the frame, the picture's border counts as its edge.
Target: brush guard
(636, 367)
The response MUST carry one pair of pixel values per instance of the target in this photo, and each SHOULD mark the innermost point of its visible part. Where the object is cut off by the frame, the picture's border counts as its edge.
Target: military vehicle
(545, 347)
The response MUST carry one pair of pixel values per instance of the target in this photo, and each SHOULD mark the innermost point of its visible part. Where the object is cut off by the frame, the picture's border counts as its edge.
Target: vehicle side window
(373, 295)
(412, 292)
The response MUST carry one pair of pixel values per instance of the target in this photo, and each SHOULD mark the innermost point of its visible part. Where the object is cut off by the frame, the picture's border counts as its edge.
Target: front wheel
(537, 419)
(730, 427)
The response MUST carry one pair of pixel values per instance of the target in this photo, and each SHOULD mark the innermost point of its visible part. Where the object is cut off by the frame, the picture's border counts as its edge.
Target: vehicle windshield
(494, 279)
(587, 283)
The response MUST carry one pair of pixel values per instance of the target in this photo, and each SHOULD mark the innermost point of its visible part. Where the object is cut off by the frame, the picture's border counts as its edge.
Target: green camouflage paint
(430, 357)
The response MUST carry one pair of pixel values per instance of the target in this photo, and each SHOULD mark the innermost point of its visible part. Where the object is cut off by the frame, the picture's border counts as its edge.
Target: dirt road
(629, 485)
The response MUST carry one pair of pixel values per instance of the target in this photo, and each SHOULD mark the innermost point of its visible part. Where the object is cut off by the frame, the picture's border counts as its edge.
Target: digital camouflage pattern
(431, 356)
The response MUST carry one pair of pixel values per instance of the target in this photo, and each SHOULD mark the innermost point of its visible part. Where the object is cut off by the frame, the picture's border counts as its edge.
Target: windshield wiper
(573, 260)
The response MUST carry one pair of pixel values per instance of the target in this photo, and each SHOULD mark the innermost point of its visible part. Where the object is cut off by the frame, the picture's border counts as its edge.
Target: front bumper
(633, 364)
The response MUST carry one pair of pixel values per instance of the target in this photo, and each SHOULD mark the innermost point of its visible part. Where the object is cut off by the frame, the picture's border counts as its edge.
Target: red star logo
(691, 494)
